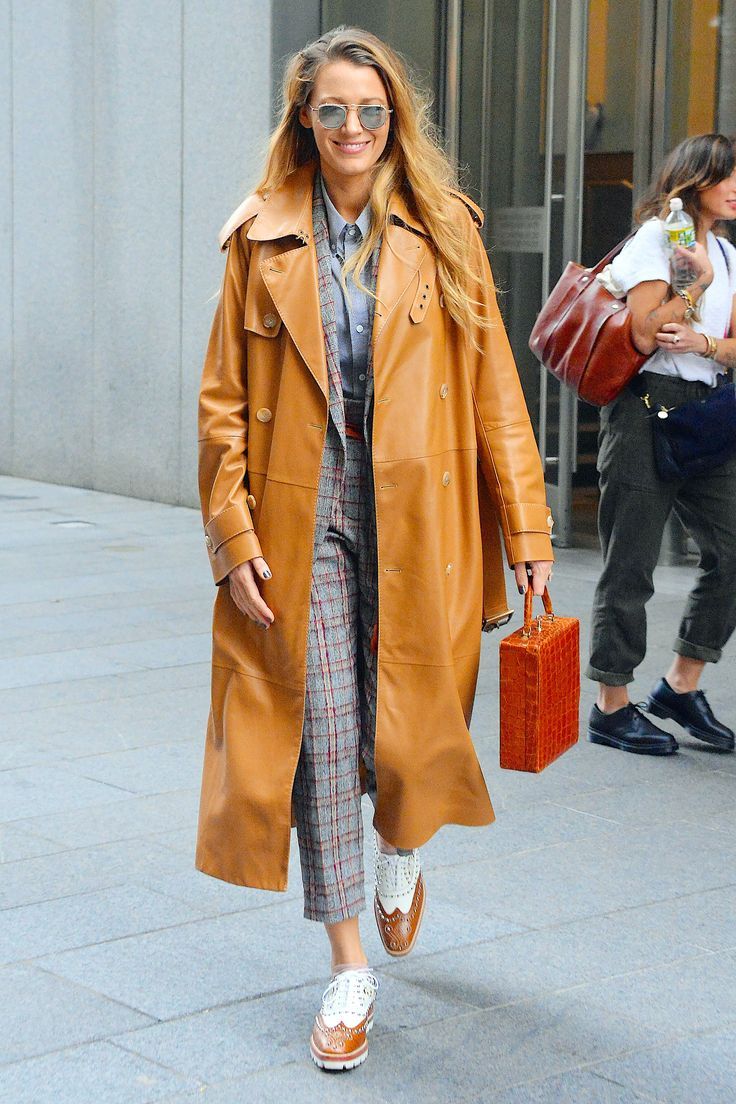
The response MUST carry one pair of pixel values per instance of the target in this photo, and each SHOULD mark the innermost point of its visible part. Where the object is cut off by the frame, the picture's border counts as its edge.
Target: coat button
(550, 521)
(251, 502)
(448, 569)
(446, 479)
(264, 414)
(269, 321)
(208, 541)
(443, 391)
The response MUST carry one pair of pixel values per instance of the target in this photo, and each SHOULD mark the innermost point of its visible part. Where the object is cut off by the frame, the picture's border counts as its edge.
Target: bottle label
(681, 235)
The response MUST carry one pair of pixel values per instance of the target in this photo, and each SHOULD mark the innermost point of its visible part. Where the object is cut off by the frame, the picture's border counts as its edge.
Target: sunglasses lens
(372, 116)
(332, 116)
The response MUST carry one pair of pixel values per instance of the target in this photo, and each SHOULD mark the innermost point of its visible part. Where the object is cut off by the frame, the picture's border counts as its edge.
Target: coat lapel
(401, 258)
(293, 277)
(327, 309)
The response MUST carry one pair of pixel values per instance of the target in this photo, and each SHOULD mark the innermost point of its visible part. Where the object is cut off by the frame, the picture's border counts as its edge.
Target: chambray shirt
(353, 312)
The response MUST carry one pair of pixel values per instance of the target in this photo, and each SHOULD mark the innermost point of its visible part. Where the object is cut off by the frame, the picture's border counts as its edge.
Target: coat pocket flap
(227, 524)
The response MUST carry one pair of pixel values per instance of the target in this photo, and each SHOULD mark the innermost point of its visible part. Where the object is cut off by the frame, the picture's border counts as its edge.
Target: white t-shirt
(645, 257)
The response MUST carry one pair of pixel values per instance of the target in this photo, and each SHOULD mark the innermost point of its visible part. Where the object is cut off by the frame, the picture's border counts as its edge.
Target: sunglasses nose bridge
(352, 114)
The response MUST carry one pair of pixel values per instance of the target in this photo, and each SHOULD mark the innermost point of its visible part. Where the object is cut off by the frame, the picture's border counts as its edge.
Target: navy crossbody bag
(695, 437)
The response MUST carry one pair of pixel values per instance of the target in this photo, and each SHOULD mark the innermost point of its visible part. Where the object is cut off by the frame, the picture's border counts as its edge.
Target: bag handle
(528, 600)
(613, 253)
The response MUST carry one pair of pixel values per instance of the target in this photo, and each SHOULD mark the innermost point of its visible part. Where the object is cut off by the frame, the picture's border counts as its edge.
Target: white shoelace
(348, 997)
(396, 875)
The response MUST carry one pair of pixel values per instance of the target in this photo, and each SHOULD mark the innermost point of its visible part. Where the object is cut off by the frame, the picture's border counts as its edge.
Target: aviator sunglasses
(333, 116)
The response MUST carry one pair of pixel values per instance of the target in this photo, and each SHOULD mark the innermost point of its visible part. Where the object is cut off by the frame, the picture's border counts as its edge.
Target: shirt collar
(336, 223)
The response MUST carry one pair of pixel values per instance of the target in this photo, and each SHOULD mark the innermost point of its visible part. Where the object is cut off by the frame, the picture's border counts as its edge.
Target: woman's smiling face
(351, 150)
(719, 201)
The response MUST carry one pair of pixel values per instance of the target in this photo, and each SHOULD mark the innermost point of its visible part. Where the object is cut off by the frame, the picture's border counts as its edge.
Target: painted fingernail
(521, 590)
(266, 573)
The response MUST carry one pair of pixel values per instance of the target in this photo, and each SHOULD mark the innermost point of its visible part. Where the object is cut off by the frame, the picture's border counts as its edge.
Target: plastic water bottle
(680, 230)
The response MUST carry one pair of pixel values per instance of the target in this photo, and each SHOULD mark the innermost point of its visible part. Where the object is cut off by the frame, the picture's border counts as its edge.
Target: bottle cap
(676, 204)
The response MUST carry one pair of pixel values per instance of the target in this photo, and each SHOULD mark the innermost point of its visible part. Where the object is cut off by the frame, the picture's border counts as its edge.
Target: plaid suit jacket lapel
(327, 307)
(368, 407)
(329, 318)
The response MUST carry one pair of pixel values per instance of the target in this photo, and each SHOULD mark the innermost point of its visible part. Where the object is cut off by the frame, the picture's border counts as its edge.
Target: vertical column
(137, 270)
(52, 235)
(6, 238)
(226, 104)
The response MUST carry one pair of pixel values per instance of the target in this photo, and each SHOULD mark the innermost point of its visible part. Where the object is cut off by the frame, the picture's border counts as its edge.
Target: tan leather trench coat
(453, 456)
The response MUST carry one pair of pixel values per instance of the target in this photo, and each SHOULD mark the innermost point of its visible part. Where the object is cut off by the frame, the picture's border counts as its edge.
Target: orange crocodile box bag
(540, 688)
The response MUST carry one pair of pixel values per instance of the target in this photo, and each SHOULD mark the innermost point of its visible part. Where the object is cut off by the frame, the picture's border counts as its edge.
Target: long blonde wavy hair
(412, 164)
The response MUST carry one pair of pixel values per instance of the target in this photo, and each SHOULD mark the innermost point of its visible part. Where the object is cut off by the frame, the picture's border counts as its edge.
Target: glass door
(555, 125)
(522, 123)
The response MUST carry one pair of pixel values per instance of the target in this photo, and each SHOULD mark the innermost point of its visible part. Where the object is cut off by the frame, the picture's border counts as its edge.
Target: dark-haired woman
(362, 435)
(686, 334)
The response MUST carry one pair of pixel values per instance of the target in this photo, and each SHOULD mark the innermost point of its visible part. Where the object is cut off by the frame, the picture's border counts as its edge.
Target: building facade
(131, 130)
(559, 111)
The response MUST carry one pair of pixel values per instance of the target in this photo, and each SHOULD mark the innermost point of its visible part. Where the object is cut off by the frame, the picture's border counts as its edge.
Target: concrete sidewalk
(580, 950)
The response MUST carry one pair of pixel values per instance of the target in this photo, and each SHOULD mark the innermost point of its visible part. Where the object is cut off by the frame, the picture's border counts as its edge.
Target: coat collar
(291, 276)
(287, 212)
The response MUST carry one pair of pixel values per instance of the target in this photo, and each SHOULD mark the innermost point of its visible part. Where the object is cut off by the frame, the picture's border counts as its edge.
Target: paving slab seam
(111, 1040)
(25, 821)
(613, 912)
(88, 988)
(627, 1088)
(38, 959)
(100, 678)
(467, 862)
(392, 969)
(223, 910)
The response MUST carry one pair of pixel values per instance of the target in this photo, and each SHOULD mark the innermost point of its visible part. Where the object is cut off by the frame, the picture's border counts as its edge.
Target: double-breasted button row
(264, 414)
(446, 479)
(443, 391)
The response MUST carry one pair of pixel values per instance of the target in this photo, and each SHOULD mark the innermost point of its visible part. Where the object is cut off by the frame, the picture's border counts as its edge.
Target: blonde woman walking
(363, 434)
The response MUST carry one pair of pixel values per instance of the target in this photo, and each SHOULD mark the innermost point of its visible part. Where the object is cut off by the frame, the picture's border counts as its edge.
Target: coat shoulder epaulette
(247, 209)
(475, 211)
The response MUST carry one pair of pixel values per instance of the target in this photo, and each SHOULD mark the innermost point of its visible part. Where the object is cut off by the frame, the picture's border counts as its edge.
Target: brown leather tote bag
(583, 334)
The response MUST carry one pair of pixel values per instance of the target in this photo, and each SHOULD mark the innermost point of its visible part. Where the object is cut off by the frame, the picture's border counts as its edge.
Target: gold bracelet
(692, 309)
(712, 347)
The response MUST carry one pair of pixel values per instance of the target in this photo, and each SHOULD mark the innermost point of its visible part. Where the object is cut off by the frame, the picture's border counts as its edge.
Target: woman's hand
(245, 593)
(699, 261)
(676, 337)
(540, 572)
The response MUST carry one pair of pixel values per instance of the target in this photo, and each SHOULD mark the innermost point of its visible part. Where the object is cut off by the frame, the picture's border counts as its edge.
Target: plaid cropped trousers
(340, 703)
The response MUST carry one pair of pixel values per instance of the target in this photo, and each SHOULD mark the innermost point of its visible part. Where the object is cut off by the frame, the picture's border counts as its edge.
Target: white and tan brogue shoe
(399, 900)
(340, 1033)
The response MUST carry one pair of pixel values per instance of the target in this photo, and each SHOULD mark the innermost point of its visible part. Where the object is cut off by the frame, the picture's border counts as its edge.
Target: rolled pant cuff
(697, 651)
(610, 678)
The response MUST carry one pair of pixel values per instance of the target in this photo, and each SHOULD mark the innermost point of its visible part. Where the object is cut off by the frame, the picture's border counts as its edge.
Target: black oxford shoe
(629, 730)
(691, 710)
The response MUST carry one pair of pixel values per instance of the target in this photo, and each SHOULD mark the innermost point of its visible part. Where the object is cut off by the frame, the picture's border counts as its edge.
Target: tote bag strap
(724, 253)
